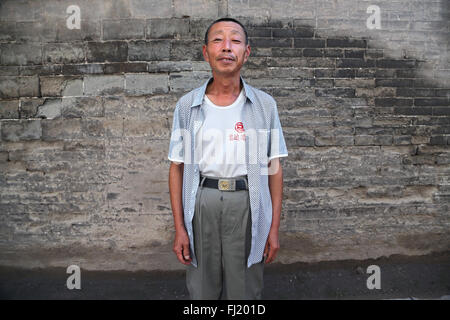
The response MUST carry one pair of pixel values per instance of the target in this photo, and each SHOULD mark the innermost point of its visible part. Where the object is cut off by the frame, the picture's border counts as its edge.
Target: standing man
(225, 178)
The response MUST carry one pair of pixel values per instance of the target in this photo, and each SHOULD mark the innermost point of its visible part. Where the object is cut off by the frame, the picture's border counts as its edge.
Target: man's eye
(217, 39)
(237, 41)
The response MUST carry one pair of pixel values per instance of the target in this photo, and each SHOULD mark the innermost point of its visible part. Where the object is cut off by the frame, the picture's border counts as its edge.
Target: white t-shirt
(223, 139)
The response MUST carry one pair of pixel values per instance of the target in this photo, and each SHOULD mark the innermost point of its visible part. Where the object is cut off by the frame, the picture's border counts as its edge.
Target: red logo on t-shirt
(239, 127)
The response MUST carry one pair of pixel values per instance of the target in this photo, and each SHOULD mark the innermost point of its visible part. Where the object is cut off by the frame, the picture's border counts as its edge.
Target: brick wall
(85, 118)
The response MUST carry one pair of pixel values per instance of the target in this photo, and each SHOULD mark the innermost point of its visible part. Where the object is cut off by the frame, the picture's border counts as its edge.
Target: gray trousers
(222, 241)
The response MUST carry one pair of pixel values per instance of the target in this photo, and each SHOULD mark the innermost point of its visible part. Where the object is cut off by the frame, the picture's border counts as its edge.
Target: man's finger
(180, 257)
(272, 254)
(269, 256)
(266, 249)
(186, 252)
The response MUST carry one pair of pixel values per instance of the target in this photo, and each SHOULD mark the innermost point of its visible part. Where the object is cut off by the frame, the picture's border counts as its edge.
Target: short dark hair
(226, 19)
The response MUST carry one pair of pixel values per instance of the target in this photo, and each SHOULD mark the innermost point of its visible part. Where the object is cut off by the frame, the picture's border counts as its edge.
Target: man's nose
(226, 45)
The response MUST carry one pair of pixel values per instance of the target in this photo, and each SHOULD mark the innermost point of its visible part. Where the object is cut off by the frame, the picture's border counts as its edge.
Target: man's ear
(205, 53)
(247, 53)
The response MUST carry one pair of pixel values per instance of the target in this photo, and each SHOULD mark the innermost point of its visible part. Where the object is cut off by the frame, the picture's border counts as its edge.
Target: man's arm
(276, 194)
(181, 243)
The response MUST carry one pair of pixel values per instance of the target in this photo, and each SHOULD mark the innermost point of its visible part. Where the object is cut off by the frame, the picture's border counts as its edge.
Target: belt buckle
(227, 184)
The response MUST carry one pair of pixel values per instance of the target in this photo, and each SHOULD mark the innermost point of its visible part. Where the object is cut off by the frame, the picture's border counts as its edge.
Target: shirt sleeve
(277, 145)
(176, 146)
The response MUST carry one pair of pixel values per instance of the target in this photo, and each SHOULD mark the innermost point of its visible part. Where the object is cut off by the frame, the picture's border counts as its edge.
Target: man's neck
(224, 86)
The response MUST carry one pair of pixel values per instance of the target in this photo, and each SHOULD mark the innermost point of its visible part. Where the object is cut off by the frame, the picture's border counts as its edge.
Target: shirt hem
(175, 160)
(278, 156)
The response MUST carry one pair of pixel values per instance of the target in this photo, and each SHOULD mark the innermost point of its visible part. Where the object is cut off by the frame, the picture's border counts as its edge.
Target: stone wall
(86, 108)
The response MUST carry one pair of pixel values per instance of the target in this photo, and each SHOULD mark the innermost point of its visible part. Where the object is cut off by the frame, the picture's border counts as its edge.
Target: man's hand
(181, 247)
(272, 246)
(181, 243)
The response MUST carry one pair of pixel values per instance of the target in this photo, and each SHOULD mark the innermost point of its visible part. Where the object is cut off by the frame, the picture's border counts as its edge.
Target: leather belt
(224, 184)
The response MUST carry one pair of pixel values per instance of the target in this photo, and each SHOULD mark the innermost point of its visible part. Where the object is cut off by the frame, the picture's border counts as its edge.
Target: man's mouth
(226, 59)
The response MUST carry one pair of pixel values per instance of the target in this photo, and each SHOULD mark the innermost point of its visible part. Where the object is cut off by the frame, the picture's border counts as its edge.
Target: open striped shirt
(264, 142)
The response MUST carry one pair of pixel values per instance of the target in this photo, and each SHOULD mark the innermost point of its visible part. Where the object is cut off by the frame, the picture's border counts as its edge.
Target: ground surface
(402, 277)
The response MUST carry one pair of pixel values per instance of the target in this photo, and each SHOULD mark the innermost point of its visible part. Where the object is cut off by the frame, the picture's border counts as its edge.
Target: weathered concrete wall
(86, 115)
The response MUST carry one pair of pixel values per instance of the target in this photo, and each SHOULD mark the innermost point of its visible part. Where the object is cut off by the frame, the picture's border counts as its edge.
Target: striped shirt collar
(248, 92)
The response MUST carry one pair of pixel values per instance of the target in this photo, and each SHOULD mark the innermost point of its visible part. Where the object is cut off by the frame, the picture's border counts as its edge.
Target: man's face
(226, 50)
